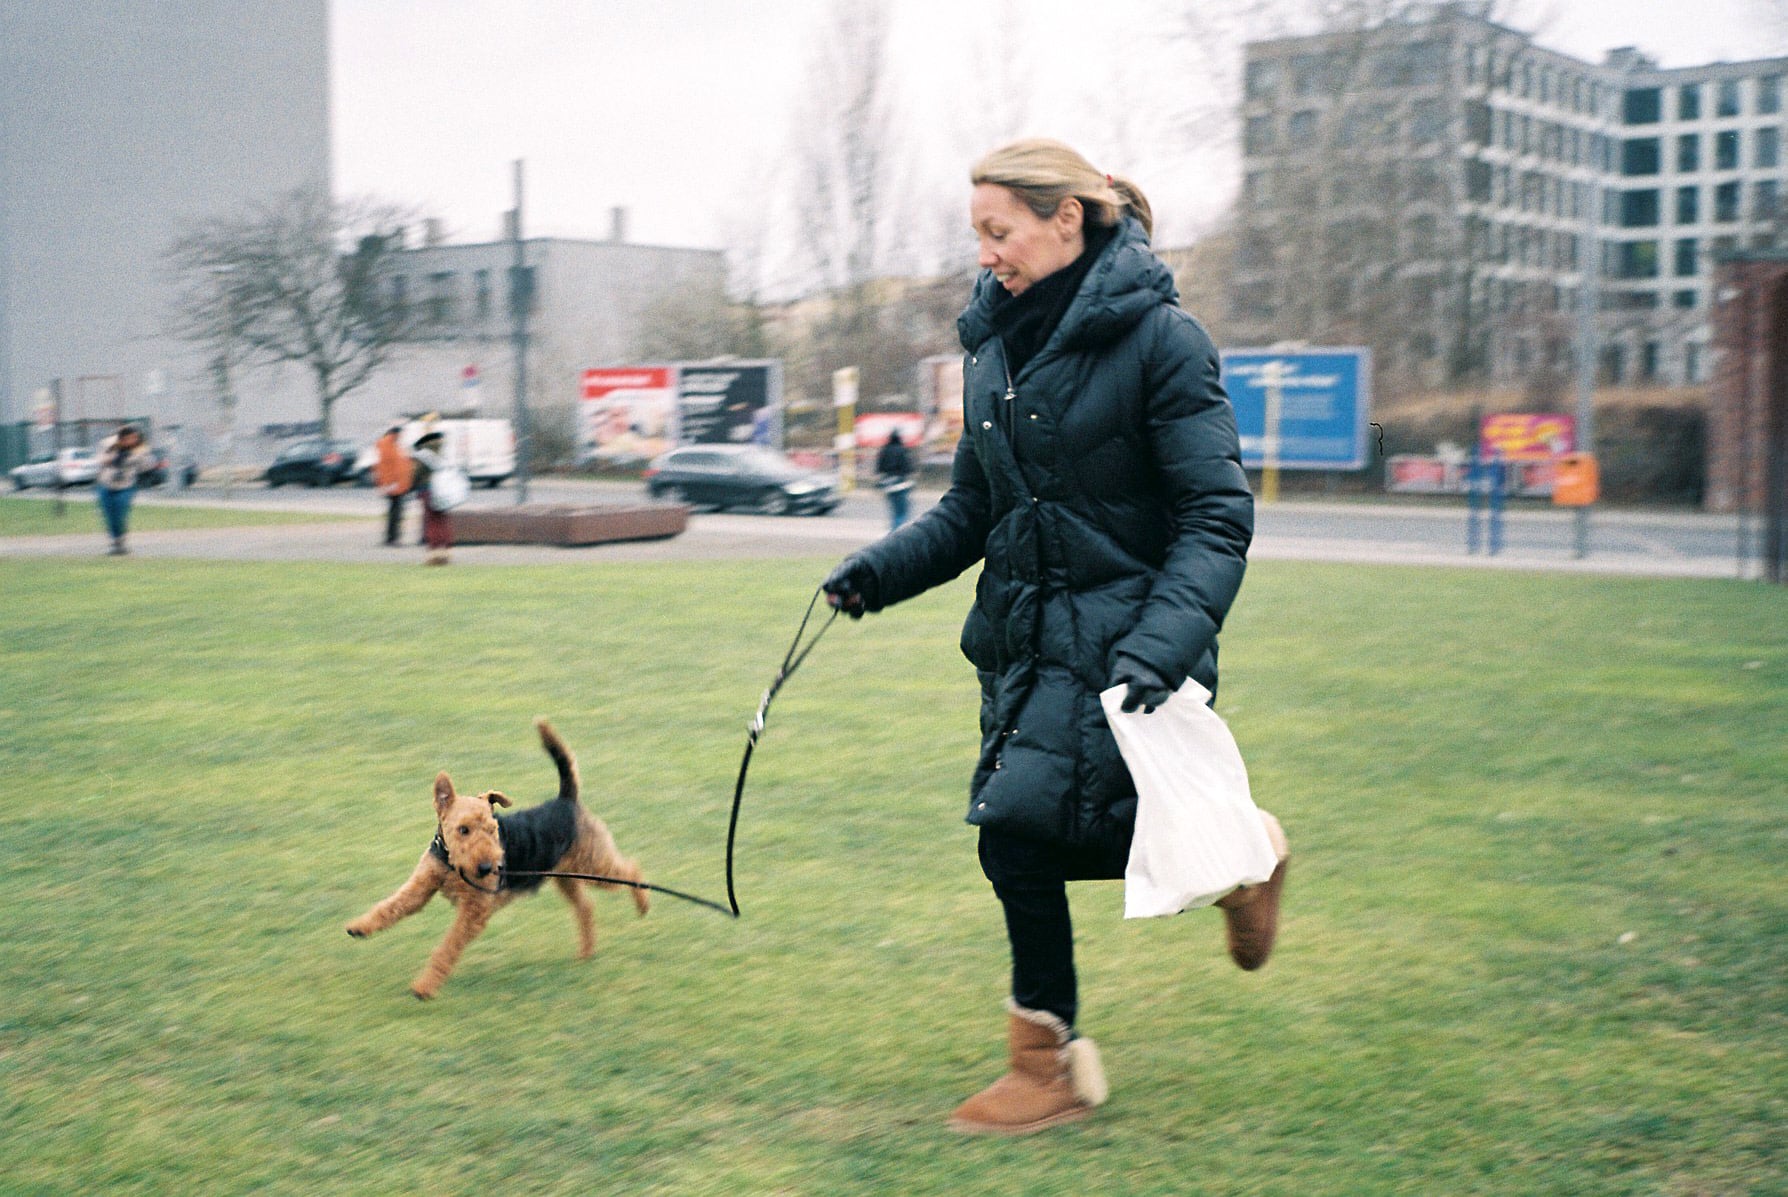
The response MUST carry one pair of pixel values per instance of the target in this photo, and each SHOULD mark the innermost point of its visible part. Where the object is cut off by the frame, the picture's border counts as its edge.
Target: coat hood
(1125, 283)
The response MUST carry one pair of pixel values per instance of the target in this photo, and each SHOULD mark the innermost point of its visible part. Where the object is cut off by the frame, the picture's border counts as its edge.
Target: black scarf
(1025, 322)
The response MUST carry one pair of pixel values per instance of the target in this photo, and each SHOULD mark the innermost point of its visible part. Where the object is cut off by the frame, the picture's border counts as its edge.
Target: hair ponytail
(1043, 173)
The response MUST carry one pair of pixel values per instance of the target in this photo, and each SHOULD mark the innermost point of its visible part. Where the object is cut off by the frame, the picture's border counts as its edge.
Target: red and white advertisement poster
(1410, 475)
(628, 413)
(1527, 436)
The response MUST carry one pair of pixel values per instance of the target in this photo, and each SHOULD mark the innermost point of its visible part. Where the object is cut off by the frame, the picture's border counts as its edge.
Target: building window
(1688, 153)
(1769, 94)
(1769, 147)
(1691, 356)
(1685, 300)
(1643, 106)
(1639, 209)
(1726, 150)
(481, 293)
(440, 297)
(1648, 361)
(1479, 122)
(1300, 130)
(1726, 202)
(1688, 102)
(1688, 205)
(1477, 181)
(1428, 123)
(1767, 200)
(1262, 78)
(400, 291)
(1637, 259)
(1257, 137)
(1639, 156)
(1728, 102)
(1310, 74)
(1686, 257)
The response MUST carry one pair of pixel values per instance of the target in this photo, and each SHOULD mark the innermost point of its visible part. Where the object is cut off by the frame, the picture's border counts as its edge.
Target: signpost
(844, 399)
(1300, 409)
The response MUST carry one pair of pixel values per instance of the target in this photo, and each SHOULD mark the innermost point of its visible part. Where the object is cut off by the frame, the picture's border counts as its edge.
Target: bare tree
(303, 279)
(843, 145)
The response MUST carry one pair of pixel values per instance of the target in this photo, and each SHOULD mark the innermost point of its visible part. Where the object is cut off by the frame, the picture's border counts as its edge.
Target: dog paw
(421, 995)
(357, 932)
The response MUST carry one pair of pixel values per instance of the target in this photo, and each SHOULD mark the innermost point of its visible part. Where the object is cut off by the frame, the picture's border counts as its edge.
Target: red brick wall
(1746, 405)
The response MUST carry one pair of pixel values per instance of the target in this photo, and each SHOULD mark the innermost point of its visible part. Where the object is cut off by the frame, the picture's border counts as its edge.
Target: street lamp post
(225, 348)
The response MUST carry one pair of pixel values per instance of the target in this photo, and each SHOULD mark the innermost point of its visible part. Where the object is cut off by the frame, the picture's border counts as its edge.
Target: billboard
(730, 403)
(627, 414)
(1527, 436)
(1322, 399)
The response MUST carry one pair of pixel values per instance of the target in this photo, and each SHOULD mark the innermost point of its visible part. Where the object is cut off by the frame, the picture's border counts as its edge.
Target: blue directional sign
(1319, 398)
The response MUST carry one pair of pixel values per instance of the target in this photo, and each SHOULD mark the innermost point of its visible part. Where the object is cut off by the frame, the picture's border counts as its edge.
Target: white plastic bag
(1198, 832)
(448, 487)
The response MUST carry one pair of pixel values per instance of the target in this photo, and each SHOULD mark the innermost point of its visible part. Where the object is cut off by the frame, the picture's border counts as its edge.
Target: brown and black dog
(479, 860)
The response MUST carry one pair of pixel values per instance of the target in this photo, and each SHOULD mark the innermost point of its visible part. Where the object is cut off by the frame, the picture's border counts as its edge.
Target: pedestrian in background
(122, 459)
(894, 474)
(394, 473)
(1099, 484)
(437, 519)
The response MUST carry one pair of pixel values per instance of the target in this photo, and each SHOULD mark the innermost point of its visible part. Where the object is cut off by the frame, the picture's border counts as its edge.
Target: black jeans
(394, 517)
(1030, 879)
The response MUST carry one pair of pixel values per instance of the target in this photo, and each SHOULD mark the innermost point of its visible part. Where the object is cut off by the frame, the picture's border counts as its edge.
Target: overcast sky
(680, 110)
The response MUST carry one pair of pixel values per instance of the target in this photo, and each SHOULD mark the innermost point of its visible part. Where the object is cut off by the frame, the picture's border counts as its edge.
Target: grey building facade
(588, 302)
(1442, 188)
(119, 124)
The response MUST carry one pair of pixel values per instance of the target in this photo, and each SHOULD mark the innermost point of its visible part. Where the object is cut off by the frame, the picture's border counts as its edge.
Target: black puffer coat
(1103, 486)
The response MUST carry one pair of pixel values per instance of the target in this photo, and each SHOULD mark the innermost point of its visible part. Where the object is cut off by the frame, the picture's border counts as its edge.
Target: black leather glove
(850, 587)
(1146, 687)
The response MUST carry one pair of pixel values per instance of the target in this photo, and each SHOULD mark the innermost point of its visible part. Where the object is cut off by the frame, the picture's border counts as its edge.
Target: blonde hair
(1042, 173)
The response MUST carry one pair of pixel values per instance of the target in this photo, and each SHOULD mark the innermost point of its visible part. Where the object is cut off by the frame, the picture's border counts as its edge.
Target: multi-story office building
(119, 124)
(1438, 188)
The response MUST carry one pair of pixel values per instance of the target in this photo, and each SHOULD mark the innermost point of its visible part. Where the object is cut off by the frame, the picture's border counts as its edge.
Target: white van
(484, 449)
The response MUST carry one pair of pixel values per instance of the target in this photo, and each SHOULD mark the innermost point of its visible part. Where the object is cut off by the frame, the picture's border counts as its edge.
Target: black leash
(791, 661)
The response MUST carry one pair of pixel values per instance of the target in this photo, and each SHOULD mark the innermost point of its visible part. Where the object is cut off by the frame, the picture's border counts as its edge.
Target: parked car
(312, 462)
(723, 476)
(65, 467)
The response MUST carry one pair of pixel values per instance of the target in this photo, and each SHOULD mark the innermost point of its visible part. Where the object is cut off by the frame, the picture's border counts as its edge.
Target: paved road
(1647, 543)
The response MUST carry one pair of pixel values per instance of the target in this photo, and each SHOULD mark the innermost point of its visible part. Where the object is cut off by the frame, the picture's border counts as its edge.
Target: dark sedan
(313, 462)
(751, 476)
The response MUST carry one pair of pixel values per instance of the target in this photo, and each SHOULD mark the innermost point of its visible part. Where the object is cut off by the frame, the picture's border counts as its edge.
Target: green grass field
(1536, 935)
(80, 515)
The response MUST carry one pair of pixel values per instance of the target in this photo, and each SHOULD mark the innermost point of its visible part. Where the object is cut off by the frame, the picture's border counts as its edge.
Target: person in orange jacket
(393, 472)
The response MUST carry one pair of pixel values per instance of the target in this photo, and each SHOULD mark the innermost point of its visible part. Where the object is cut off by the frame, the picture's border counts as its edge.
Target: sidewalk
(1395, 535)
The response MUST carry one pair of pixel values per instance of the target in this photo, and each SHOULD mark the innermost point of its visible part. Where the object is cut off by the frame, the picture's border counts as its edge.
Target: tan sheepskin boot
(1052, 1078)
(1252, 912)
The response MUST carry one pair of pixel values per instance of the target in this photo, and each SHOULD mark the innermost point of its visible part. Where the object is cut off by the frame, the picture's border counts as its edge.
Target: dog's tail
(555, 748)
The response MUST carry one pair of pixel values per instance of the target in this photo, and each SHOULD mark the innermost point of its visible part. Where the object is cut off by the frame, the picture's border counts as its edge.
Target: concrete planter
(567, 525)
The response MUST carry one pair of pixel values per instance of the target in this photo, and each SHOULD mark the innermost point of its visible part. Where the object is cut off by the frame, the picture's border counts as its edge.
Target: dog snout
(485, 868)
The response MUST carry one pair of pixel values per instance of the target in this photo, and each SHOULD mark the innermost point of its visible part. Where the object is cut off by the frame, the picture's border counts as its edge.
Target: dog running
(481, 861)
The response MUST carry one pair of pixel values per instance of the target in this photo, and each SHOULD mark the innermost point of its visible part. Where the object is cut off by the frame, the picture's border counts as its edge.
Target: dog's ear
(443, 793)
(499, 798)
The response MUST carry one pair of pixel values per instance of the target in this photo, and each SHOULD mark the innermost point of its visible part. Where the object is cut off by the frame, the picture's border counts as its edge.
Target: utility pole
(521, 297)
(1589, 302)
